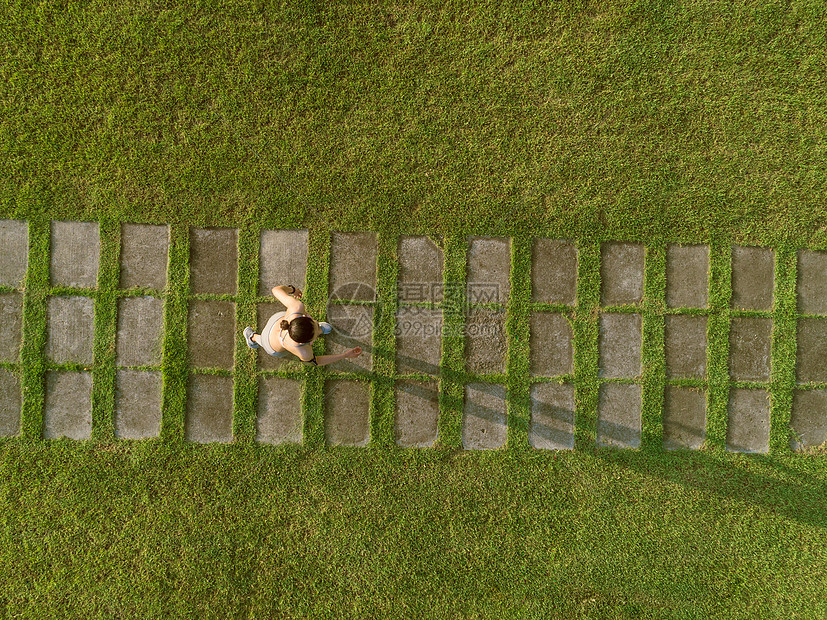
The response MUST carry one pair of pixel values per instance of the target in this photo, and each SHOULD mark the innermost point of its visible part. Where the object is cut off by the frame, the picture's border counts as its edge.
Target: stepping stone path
(426, 306)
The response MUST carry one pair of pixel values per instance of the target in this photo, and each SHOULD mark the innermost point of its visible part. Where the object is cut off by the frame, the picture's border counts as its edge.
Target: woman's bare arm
(291, 301)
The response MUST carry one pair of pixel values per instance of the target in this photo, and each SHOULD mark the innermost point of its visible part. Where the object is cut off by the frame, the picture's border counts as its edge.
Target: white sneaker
(326, 327)
(248, 336)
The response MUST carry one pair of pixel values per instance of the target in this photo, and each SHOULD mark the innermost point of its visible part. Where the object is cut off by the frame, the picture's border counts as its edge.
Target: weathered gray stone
(265, 361)
(418, 340)
(619, 345)
(552, 416)
(486, 342)
(753, 277)
(11, 324)
(352, 327)
(140, 331)
(417, 413)
(137, 404)
(554, 272)
(14, 252)
(551, 344)
(489, 269)
(75, 254)
(809, 419)
(10, 403)
(684, 418)
(619, 415)
(214, 260)
(68, 407)
(353, 266)
(621, 273)
(420, 270)
(283, 259)
(687, 276)
(812, 350)
(279, 411)
(685, 346)
(748, 425)
(812, 282)
(485, 423)
(209, 409)
(750, 349)
(347, 413)
(71, 329)
(144, 256)
(212, 334)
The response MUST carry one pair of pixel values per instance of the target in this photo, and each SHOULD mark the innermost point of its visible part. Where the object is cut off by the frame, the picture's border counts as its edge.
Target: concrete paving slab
(347, 413)
(11, 325)
(75, 254)
(554, 271)
(279, 411)
(14, 252)
(619, 344)
(750, 349)
(214, 260)
(420, 270)
(212, 334)
(812, 282)
(753, 277)
(486, 343)
(71, 329)
(812, 350)
(144, 256)
(10, 403)
(809, 419)
(137, 404)
(352, 327)
(685, 346)
(209, 409)
(551, 344)
(489, 269)
(418, 340)
(68, 406)
(619, 416)
(353, 266)
(552, 416)
(684, 418)
(417, 413)
(484, 424)
(283, 259)
(265, 361)
(140, 331)
(687, 276)
(748, 425)
(621, 273)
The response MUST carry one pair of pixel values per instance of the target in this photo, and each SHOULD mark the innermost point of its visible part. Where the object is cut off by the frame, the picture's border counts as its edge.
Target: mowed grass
(657, 122)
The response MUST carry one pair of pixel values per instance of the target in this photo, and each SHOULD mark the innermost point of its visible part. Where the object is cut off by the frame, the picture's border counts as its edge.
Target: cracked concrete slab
(353, 266)
(418, 340)
(621, 273)
(552, 416)
(212, 334)
(485, 422)
(417, 414)
(11, 326)
(809, 419)
(137, 404)
(14, 252)
(684, 418)
(68, 406)
(10, 403)
(619, 345)
(144, 256)
(619, 416)
(685, 346)
(551, 343)
(420, 270)
(554, 272)
(748, 424)
(812, 282)
(283, 259)
(486, 343)
(687, 276)
(812, 350)
(213, 261)
(279, 411)
(75, 254)
(209, 409)
(489, 269)
(347, 413)
(140, 331)
(352, 327)
(750, 349)
(71, 330)
(753, 277)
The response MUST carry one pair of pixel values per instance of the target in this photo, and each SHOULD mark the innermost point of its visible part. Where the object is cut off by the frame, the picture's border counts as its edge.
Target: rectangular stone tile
(687, 276)
(551, 344)
(137, 404)
(489, 269)
(11, 325)
(753, 277)
(486, 343)
(353, 266)
(283, 259)
(347, 413)
(279, 411)
(10, 403)
(812, 282)
(68, 407)
(750, 349)
(144, 256)
(140, 331)
(417, 414)
(420, 270)
(554, 271)
(621, 273)
(809, 419)
(684, 418)
(14, 252)
(748, 424)
(619, 416)
(265, 361)
(71, 329)
(619, 345)
(812, 350)
(214, 260)
(209, 409)
(685, 346)
(75, 254)
(211, 337)
(352, 327)
(484, 423)
(552, 416)
(418, 340)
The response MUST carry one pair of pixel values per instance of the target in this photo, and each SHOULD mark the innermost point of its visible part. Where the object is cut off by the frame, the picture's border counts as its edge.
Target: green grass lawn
(658, 122)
